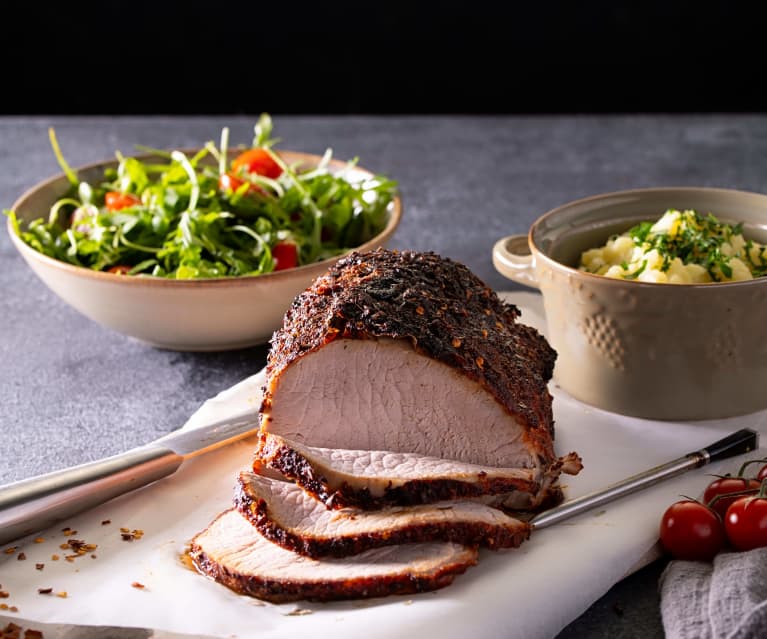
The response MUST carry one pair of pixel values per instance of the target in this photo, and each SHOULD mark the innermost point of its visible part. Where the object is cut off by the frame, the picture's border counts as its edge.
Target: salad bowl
(210, 314)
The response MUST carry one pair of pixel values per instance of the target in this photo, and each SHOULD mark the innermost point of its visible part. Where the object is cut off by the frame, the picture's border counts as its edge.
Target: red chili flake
(44, 591)
(456, 343)
(138, 585)
(419, 310)
(4, 594)
(480, 362)
(21, 556)
(39, 566)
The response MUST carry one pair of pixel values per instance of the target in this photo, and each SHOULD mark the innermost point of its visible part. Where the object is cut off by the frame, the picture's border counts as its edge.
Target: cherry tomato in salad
(724, 486)
(746, 522)
(116, 201)
(230, 182)
(120, 269)
(285, 255)
(257, 161)
(691, 530)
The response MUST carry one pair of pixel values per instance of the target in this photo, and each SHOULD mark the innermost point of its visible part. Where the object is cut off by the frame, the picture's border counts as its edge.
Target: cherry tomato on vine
(724, 486)
(691, 530)
(116, 201)
(285, 255)
(762, 474)
(746, 522)
(257, 161)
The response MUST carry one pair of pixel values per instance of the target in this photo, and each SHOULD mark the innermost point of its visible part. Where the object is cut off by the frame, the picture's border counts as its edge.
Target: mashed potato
(682, 247)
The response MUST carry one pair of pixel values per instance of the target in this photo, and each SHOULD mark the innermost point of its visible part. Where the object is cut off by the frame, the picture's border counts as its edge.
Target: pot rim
(538, 253)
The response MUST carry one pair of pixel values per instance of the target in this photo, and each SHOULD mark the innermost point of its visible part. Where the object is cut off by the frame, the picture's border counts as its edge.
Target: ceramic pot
(658, 351)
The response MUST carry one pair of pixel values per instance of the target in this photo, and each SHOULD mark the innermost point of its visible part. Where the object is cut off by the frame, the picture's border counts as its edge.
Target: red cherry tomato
(285, 255)
(257, 161)
(746, 523)
(119, 269)
(229, 182)
(691, 530)
(762, 474)
(115, 201)
(724, 486)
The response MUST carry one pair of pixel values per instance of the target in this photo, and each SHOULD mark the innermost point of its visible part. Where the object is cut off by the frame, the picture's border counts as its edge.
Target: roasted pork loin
(407, 408)
(288, 516)
(411, 353)
(233, 552)
(366, 479)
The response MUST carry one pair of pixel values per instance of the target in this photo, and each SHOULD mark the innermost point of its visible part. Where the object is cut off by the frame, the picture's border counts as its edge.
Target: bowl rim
(611, 281)
(395, 216)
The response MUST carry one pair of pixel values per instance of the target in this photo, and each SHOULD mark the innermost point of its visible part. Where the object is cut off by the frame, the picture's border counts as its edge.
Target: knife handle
(33, 504)
(738, 443)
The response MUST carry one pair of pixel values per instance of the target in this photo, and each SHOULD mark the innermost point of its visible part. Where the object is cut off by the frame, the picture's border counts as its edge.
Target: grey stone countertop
(73, 391)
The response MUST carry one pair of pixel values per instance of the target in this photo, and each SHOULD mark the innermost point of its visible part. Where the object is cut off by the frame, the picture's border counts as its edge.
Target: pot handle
(512, 259)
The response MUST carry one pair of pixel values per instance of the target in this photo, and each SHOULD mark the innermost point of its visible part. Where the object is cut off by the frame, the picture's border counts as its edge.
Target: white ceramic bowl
(185, 315)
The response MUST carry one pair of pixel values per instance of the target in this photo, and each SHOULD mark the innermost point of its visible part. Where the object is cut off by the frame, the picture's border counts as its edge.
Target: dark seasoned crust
(294, 466)
(361, 587)
(467, 533)
(443, 310)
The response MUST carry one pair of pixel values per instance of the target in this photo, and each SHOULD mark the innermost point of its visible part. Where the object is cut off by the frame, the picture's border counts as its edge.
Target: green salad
(204, 215)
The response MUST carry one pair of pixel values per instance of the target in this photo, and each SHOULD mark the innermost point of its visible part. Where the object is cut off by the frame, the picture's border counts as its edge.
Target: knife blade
(30, 505)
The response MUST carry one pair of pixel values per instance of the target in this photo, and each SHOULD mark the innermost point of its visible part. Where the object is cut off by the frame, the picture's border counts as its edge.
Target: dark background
(157, 57)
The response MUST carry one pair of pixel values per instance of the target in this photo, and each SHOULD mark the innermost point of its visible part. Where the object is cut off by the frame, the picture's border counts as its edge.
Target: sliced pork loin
(411, 353)
(233, 552)
(342, 478)
(288, 516)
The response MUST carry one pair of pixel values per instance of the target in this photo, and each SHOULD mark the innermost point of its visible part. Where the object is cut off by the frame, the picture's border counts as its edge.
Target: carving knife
(30, 505)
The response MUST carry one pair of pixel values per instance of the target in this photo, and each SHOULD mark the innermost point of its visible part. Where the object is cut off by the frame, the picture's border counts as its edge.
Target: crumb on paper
(21, 556)
(44, 591)
(4, 594)
(39, 540)
(33, 634)
(106, 522)
(39, 566)
(68, 532)
(10, 550)
(138, 585)
(63, 594)
(55, 557)
(130, 535)
(298, 612)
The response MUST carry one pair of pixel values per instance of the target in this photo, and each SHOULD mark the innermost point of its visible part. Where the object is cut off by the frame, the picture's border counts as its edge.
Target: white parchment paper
(511, 592)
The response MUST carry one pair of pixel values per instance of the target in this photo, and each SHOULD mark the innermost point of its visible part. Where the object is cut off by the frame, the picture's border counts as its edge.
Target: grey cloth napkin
(723, 599)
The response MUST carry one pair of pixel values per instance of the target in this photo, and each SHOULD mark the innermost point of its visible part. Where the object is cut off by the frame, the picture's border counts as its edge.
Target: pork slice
(410, 352)
(232, 552)
(342, 478)
(285, 514)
